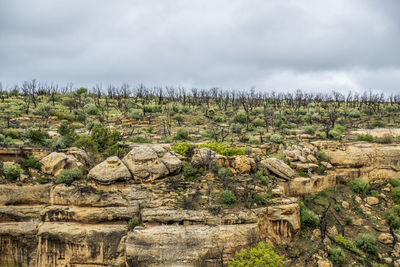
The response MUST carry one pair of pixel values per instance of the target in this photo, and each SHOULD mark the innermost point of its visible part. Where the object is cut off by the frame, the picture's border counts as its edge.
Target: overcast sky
(232, 44)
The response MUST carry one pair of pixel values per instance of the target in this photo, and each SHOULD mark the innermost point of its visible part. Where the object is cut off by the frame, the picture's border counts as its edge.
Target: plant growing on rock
(360, 186)
(223, 149)
(259, 256)
(12, 172)
(68, 176)
(366, 242)
(31, 162)
(228, 197)
(190, 173)
(132, 223)
(307, 217)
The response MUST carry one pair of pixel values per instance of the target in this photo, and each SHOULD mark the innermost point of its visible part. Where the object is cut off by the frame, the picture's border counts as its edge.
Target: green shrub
(341, 240)
(348, 221)
(258, 122)
(395, 193)
(132, 223)
(365, 137)
(302, 173)
(31, 162)
(106, 140)
(378, 123)
(260, 256)
(310, 130)
(321, 156)
(337, 255)
(182, 134)
(91, 109)
(223, 149)
(236, 128)
(307, 217)
(190, 173)
(261, 199)
(179, 118)
(395, 182)
(360, 186)
(12, 172)
(262, 175)
(227, 197)
(140, 140)
(68, 176)
(240, 117)
(366, 242)
(42, 180)
(281, 157)
(182, 148)
(385, 139)
(221, 172)
(11, 133)
(354, 113)
(392, 217)
(136, 114)
(276, 138)
(151, 108)
(334, 134)
(36, 136)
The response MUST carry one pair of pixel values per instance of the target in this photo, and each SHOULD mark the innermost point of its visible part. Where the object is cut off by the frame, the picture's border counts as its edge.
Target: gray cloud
(233, 44)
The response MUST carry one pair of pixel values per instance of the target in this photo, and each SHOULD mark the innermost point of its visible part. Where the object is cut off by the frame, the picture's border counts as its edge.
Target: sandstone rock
(17, 195)
(304, 166)
(385, 238)
(110, 171)
(279, 168)
(72, 163)
(242, 164)
(150, 162)
(372, 200)
(332, 231)
(396, 263)
(81, 156)
(345, 204)
(324, 263)
(206, 158)
(278, 191)
(358, 199)
(312, 159)
(54, 163)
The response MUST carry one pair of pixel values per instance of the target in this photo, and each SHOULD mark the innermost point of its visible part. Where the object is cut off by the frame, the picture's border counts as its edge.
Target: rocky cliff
(86, 223)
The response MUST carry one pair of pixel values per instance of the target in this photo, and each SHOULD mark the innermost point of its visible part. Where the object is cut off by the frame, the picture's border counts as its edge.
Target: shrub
(378, 123)
(42, 180)
(223, 149)
(140, 140)
(385, 139)
(240, 117)
(307, 217)
(31, 162)
(261, 199)
(321, 156)
(334, 134)
(365, 137)
(91, 109)
(258, 122)
(179, 118)
(182, 134)
(68, 176)
(11, 133)
(366, 242)
(182, 148)
(106, 140)
(236, 128)
(151, 108)
(281, 157)
(395, 193)
(228, 197)
(12, 172)
(132, 223)
(337, 255)
(360, 186)
(262, 175)
(190, 173)
(310, 130)
(136, 114)
(276, 138)
(36, 136)
(392, 217)
(354, 113)
(395, 182)
(259, 256)
(341, 240)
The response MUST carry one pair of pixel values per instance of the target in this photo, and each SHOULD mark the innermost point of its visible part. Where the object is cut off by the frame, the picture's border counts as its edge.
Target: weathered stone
(242, 164)
(345, 204)
(17, 195)
(81, 156)
(385, 238)
(206, 158)
(110, 171)
(54, 163)
(150, 162)
(304, 166)
(279, 168)
(372, 200)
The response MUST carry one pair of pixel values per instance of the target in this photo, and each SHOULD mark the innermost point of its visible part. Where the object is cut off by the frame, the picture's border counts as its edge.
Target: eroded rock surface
(110, 171)
(279, 168)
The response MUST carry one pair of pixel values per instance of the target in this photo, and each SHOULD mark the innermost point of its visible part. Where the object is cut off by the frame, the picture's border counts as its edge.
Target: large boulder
(150, 162)
(110, 171)
(207, 158)
(54, 163)
(242, 164)
(279, 168)
(81, 156)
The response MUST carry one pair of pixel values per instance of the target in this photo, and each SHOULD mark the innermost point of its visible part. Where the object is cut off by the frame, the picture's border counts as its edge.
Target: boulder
(54, 163)
(304, 166)
(150, 162)
(81, 156)
(242, 164)
(385, 238)
(279, 168)
(207, 158)
(372, 200)
(110, 171)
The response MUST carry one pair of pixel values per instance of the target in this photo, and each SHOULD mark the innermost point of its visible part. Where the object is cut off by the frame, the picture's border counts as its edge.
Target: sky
(278, 45)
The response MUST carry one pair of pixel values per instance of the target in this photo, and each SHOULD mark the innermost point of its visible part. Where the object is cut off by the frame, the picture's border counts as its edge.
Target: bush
(106, 140)
(91, 109)
(182, 148)
(11, 133)
(354, 113)
(309, 130)
(334, 134)
(258, 122)
(385, 139)
(378, 123)
(307, 217)
(281, 157)
(262, 175)
(392, 217)
(321, 156)
(190, 173)
(276, 138)
(261, 199)
(68, 176)
(140, 140)
(136, 114)
(259, 256)
(182, 134)
(365, 137)
(366, 242)
(223, 149)
(12, 172)
(228, 197)
(395, 182)
(360, 186)
(240, 117)
(395, 193)
(132, 223)
(236, 128)
(42, 180)
(31, 162)
(36, 136)
(337, 255)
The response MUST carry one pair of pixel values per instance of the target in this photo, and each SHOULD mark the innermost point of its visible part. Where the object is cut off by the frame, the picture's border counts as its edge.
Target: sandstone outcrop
(54, 163)
(279, 168)
(110, 171)
(150, 162)
(207, 158)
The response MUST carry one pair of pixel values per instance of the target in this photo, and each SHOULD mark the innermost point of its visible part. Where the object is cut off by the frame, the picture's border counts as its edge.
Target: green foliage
(395, 193)
(258, 122)
(260, 256)
(140, 140)
(365, 137)
(179, 118)
(236, 128)
(366, 242)
(392, 217)
(106, 140)
(86, 143)
(132, 223)
(69, 175)
(151, 108)
(341, 240)
(307, 217)
(302, 173)
(135, 114)
(354, 113)
(31, 162)
(91, 109)
(309, 130)
(190, 173)
(11, 133)
(12, 171)
(227, 197)
(276, 138)
(36, 136)
(261, 199)
(182, 134)
(82, 91)
(360, 186)
(281, 157)
(321, 156)
(395, 182)
(182, 148)
(378, 123)
(337, 255)
(385, 139)
(240, 117)
(42, 180)
(223, 149)
(262, 175)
